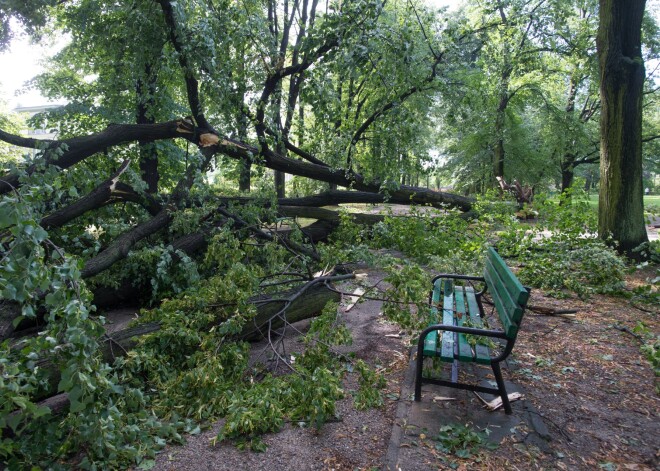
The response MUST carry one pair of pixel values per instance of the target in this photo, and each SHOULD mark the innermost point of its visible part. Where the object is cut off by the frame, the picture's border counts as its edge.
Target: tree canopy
(200, 163)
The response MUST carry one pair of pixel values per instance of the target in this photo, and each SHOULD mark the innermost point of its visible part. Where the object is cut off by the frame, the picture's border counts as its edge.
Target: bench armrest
(462, 330)
(468, 330)
(457, 277)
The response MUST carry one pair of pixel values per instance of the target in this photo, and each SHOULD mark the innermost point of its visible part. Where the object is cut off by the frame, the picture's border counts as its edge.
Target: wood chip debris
(357, 294)
(497, 402)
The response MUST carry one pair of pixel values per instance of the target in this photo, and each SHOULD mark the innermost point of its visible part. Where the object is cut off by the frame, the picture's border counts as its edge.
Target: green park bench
(462, 312)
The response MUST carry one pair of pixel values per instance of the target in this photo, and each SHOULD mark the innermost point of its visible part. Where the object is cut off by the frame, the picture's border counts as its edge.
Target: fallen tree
(121, 207)
(272, 312)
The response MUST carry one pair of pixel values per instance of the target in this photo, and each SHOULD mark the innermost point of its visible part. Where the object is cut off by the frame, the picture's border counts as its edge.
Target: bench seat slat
(464, 349)
(448, 338)
(482, 352)
(431, 341)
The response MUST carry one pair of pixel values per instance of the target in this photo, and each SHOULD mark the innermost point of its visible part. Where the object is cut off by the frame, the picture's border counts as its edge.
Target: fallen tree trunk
(340, 177)
(328, 215)
(301, 303)
(80, 148)
(335, 197)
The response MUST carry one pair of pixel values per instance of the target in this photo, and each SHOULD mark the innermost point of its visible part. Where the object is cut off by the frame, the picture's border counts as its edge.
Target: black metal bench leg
(500, 385)
(418, 372)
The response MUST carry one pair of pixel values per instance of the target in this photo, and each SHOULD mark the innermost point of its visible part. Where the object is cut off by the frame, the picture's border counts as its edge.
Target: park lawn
(650, 201)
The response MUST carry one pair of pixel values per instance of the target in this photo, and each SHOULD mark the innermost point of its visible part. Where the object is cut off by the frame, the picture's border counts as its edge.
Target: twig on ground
(625, 329)
(548, 311)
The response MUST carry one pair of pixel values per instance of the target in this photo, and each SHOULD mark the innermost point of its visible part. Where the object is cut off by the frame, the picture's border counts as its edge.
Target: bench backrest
(509, 295)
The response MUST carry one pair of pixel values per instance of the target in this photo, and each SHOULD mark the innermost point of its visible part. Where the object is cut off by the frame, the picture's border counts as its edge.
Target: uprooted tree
(169, 106)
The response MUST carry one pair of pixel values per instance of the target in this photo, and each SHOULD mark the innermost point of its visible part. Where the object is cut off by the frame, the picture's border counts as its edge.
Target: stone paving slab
(432, 412)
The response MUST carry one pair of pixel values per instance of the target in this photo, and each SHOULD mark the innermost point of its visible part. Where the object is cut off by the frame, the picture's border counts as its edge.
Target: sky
(19, 64)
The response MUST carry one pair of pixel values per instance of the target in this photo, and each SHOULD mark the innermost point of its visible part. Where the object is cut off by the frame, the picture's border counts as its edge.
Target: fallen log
(273, 311)
(328, 215)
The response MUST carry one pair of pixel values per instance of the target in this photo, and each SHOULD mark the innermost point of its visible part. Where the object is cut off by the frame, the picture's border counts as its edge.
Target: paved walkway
(652, 230)
(434, 410)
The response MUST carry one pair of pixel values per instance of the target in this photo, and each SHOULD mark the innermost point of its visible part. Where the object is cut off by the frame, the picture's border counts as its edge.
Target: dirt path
(591, 383)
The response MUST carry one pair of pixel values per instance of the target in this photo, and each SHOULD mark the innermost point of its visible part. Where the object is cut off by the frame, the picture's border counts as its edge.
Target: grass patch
(651, 202)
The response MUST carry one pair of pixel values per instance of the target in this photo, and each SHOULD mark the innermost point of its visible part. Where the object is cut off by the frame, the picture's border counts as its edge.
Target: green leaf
(147, 464)
(14, 420)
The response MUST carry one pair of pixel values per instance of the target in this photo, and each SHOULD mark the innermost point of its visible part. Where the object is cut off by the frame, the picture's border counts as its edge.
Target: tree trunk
(567, 175)
(567, 168)
(245, 165)
(589, 181)
(498, 151)
(280, 182)
(621, 207)
(244, 177)
(146, 91)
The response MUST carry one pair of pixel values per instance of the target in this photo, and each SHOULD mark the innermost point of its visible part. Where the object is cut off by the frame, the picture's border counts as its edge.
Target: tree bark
(122, 245)
(621, 207)
(280, 183)
(79, 148)
(567, 172)
(328, 215)
(335, 197)
(567, 167)
(500, 121)
(146, 91)
(109, 191)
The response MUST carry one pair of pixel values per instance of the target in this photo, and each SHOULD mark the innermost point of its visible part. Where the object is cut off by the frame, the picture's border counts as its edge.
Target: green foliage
(409, 286)
(651, 346)
(648, 293)
(649, 251)
(652, 352)
(347, 243)
(35, 273)
(560, 252)
(369, 392)
(462, 441)
(328, 328)
(441, 234)
(166, 270)
(254, 411)
(13, 123)
(588, 269)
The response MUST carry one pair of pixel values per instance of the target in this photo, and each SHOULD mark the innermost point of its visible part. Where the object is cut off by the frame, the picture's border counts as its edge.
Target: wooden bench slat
(431, 341)
(508, 326)
(518, 292)
(464, 349)
(448, 338)
(512, 308)
(482, 352)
